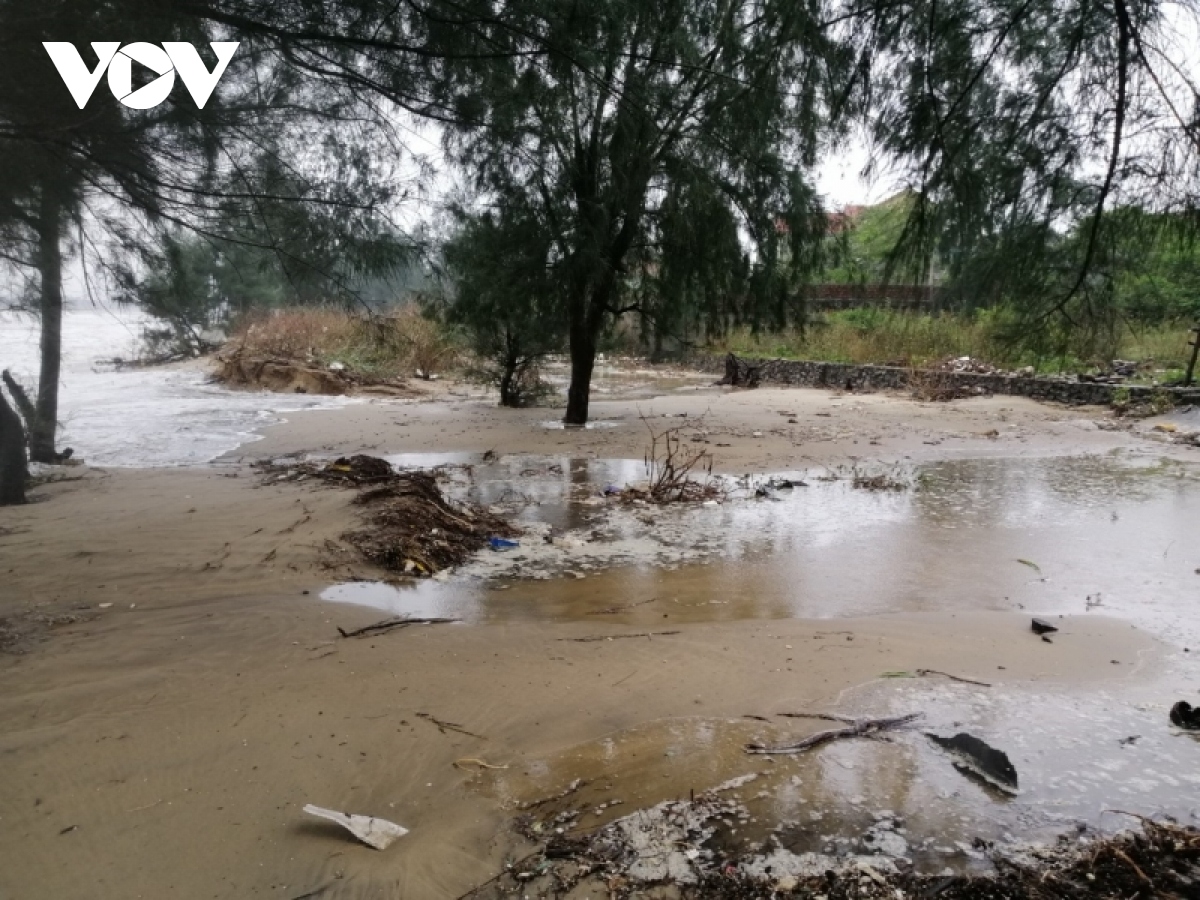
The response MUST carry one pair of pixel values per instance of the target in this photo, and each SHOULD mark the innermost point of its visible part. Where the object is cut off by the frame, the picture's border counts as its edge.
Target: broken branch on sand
(443, 726)
(389, 624)
(859, 728)
(591, 638)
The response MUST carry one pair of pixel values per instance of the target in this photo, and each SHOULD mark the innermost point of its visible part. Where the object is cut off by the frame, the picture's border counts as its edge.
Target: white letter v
(198, 80)
(75, 75)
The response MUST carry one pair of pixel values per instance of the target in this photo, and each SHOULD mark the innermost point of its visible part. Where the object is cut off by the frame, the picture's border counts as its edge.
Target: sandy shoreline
(162, 746)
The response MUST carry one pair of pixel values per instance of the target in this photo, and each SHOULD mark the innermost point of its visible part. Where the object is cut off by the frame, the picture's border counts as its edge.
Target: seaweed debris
(410, 526)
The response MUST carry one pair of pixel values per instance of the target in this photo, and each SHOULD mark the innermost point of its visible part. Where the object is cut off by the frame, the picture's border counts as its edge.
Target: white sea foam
(153, 417)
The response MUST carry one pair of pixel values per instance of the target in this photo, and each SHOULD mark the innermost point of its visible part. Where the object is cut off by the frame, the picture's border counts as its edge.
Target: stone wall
(845, 376)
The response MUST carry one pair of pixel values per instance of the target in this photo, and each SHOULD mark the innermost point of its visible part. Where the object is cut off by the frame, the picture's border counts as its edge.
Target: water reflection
(1094, 527)
(1071, 749)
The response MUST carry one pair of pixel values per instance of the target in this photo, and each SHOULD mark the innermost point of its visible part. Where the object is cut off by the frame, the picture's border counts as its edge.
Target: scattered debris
(390, 624)
(1040, 626)
(592, 638)
(679, 846)
(856, 728)
(377, 833)
(1184, 715)
(879, 481)
(413, 528)
(975, 758)
(1031, 565)
(500, 544)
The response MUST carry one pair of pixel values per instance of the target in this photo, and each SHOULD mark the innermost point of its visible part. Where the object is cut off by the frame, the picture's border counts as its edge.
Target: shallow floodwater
(1079, 756)
(1085, 536)
(1100, 535)
(162, 416)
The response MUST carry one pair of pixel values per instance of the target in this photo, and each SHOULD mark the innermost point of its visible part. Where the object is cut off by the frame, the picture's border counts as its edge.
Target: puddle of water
(559, 425)
(1071, 752)
(1098, 528)
(1100, 531)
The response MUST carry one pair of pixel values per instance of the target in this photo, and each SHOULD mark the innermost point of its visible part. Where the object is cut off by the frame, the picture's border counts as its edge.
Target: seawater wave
(140, 418)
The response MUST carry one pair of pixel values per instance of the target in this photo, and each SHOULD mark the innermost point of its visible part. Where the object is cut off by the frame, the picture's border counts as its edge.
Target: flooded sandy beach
(177, 689)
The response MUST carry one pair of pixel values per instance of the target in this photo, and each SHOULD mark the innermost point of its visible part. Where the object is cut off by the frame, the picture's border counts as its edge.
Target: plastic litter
(377, 833)
(500, 544)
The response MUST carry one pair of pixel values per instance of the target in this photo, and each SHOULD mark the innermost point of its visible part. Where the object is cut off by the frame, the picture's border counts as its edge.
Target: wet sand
(163, 745)
(178, 744)
(747, 431)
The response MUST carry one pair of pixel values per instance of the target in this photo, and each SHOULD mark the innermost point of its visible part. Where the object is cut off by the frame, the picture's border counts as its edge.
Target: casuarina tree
(241, 167)
(603, 117)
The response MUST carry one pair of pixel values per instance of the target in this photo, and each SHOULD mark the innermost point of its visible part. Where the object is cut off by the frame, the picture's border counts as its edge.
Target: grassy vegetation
(394, 345)
(882, 336)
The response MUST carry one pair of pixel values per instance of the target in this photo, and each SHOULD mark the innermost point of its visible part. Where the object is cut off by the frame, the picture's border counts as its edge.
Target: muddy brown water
(1092, 536)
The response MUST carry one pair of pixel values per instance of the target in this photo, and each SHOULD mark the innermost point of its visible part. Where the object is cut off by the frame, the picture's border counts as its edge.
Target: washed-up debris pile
(411, 527)
(678, 847)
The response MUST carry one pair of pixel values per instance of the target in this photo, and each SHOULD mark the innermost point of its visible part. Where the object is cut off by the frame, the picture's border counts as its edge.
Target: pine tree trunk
(13, 468)
(42, 429)
(583, 360)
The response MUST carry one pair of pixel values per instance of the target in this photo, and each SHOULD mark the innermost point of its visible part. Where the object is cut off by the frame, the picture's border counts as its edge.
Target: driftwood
(390, 624)
(591, 638)
(856, 728)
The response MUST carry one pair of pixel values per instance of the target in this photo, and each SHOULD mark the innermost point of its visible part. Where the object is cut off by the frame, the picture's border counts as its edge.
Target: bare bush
(670, 469)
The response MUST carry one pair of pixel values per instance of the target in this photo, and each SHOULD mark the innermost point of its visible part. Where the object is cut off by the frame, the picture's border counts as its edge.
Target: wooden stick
(860, 728)
(613, 637)
(389, 624)
(443, 727)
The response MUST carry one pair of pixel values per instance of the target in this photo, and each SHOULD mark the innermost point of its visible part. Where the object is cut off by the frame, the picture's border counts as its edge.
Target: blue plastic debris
(500, 544)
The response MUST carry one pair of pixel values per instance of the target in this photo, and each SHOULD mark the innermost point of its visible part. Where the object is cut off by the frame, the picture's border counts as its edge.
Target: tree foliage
(611, 121)
(1018, 124)
(502, 289)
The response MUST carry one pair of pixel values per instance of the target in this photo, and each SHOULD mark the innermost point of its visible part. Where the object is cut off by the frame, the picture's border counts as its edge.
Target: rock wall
(940, 385)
